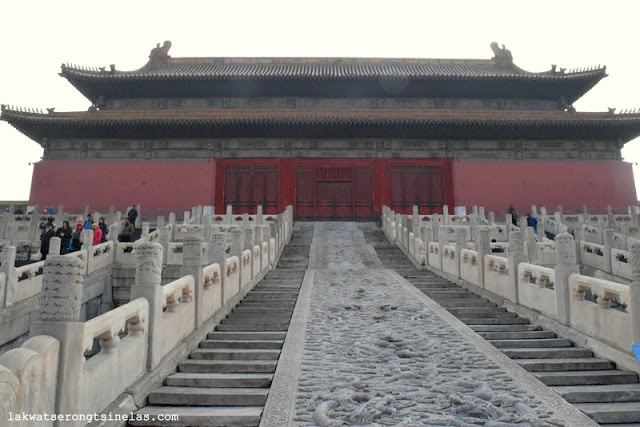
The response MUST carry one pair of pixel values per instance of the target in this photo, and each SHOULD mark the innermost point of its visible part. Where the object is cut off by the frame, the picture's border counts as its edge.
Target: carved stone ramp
(591, 384)
(226, 381)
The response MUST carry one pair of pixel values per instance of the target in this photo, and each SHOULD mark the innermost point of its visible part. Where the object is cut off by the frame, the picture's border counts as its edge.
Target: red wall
(572, 184)
(160, 186)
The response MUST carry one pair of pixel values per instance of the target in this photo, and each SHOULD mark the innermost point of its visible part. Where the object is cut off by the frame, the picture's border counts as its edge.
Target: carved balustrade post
(481, 213)
(444, 241)
(11, 280)
(145, 232)
(492, 218)
(274, 235)
(532, 247)
(249, 241)
(172, 218)
(218, 254)
(259, 216)
(207, 227)
(435, 218)
(139, 217)
(59, 317)
(461, 243)
(483, 248)
(508, 220)
(148, 285)
(160, 222)
(611, 219)
(516, 256)
(54, 246)
(187, 217)
(445, 215)
(474, 210)
(192, 265)
(585, 214)
(237, 243)
(566, 265)
(267, 238)
(165, 237)
(634, 289)
(474, 221)
(609, 243)
(415, 221)
(542, 223)
(228, 217)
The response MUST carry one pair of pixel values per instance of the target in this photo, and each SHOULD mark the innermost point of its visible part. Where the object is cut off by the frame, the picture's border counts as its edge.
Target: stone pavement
(365, 347)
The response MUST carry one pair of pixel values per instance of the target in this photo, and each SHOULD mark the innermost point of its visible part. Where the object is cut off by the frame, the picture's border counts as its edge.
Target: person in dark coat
(532, 222)
(104, 228)
(132, 215)
(45, 238)
(514, 215)
(76, 238)
(64, 233)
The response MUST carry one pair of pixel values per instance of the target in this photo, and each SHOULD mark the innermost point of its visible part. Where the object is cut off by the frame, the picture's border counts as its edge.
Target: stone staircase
(594, 385)
(226, 381)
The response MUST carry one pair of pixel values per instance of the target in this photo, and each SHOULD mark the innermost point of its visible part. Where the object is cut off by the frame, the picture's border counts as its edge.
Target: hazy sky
(39, 36)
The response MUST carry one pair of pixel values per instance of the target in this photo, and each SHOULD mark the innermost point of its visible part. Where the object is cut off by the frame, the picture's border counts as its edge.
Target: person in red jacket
(97, 234)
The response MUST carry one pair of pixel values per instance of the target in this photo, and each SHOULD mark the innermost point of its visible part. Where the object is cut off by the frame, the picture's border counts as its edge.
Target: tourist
(127, 231)
(514, 215)
(132, 215)
(88, 224)
(532, 222)
(17, 212)
(45, 238)
(104, 228)
(64, 233)
(76, 238)
(97, 234)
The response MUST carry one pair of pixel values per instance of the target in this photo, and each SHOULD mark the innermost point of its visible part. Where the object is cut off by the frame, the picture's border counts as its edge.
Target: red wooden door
(417, 185)
(246, 187)
(328, 193)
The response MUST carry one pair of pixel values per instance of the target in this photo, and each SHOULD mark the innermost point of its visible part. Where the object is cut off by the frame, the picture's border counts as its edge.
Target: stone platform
(365, 347)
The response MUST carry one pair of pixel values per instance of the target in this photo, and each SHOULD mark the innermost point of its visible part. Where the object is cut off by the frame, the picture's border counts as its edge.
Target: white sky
(40, 35)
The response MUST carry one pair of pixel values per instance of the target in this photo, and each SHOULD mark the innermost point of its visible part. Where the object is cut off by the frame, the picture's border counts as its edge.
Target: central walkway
(365, 347)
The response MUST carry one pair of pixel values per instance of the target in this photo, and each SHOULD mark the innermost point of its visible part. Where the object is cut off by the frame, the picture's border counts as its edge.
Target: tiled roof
(319, 68)
(624, 126)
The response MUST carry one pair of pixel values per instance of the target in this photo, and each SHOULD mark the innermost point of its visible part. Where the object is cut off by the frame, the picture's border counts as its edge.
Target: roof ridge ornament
(501, 55)
(160, 52)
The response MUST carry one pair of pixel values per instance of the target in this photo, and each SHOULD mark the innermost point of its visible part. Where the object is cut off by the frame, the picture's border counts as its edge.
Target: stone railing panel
(211, 289)
(120, 361)
(536, 288)
(29, 283)
(450, 260)
(600, 308)
(28, 378)
(620, 263)
(126, 254)
(420, 252)
(496, 275)
(231, 281)
(178, 320)
(434, 255)
(245, 271)
(592, 255)
(546, 253)
(174, 253)
(470, 266)
(101, 256)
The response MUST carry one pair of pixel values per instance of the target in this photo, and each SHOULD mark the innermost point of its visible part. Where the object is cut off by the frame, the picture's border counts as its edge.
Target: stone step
(495, 321)
(599, 393)
(268, 304)
(464, 302)
(184, 379)
(547, 353)
(205, 396)
(451, 293)
(268, 300)
(611, 413)
(228, 366)
(497, 312)
(270, 310)
(238, 344)
(254, 320)
(252, 328)
(520, 335)
(504, 328)
(241, 354)
(199, 416)
(566, 364)
(532, 343)
(261, 313)
(219, 335)
(586, 377)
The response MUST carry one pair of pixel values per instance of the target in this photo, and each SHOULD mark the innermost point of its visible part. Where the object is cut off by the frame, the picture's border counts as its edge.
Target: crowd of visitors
(71, 240)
